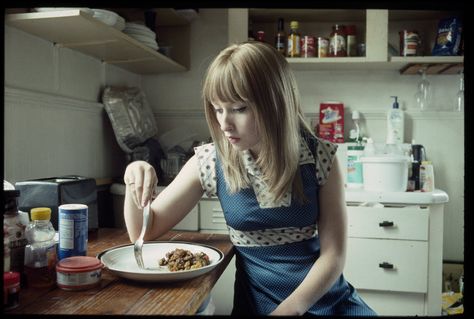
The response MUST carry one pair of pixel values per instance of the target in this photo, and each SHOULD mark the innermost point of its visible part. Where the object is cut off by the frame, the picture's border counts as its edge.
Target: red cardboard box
(331, 121)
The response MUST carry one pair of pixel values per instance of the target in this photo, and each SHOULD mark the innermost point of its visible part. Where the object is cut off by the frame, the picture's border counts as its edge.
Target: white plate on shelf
(47, 9)
(121, 261)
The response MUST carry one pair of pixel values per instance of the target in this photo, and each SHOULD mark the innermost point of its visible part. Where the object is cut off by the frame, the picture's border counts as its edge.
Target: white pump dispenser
(395, 124)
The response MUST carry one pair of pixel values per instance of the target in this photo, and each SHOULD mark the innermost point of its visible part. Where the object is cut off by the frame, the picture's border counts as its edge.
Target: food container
(78, 273)
(385, 173)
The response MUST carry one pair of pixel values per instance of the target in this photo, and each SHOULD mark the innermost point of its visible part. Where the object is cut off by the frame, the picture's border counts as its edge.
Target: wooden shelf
(79, 31)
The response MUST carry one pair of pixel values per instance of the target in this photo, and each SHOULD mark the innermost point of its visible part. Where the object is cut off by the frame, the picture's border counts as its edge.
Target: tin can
(72, 221)
(323, 47)
(409, 41)
(308, 46)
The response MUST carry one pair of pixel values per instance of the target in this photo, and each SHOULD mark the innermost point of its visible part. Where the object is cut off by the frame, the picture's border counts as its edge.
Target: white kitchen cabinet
(375, 28)
(394, 253)
(78, 30)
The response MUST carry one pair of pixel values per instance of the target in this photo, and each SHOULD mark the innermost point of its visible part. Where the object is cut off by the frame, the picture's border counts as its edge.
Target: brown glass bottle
(337, 41)
(294, 38)
(280, 38)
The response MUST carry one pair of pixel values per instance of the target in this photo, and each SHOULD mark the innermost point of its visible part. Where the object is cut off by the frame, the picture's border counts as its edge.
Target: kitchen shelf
(78, 30)
(374, 28)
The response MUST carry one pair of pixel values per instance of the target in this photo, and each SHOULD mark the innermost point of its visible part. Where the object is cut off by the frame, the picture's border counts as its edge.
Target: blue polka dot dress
(277, 243)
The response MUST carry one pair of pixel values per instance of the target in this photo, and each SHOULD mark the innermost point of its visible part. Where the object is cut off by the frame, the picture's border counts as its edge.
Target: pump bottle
(395, 124)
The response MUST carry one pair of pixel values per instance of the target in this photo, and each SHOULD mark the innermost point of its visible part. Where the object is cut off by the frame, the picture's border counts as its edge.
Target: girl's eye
(218, 111)
(240, 109)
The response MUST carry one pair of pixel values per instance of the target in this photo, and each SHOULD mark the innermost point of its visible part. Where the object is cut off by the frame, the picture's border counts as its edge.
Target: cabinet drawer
(387, 303)
(211, 215)
(368, 264)
(410, 223)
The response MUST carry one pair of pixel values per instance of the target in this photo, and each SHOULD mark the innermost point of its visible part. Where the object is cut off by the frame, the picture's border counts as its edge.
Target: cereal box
(331, 121)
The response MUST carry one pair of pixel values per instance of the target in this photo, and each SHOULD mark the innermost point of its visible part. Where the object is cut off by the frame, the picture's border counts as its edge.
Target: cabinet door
(211, 215)
(410, 223)
(387, 303)
(390, 265)
(190, 222)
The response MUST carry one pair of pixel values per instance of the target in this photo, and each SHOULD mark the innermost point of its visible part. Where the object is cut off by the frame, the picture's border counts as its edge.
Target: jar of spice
(261, 36)
(323, 47)
(11, 290)
(308, 48)
(337, 41)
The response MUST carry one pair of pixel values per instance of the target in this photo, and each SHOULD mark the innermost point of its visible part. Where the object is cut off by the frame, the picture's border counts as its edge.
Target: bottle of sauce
(337, 41)
(40, 253)
(294, 38)
(280, 38)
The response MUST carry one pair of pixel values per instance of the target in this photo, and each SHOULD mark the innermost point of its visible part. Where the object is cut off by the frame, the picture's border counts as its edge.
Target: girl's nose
(226, 123)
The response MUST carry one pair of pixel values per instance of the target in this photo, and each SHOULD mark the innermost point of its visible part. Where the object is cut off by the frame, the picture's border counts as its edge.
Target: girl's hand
(140, 180)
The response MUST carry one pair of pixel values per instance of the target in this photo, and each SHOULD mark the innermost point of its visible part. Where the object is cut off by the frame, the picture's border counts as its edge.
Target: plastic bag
(131, 117)
(448, 38)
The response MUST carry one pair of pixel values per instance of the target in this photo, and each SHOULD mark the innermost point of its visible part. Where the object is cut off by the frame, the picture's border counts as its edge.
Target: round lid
(78, 264)
(40, 213)
(11, 277)
(294, 24)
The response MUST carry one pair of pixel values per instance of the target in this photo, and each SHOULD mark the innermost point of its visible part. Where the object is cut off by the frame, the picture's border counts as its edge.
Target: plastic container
(395, 124)
(79, 273)
(40, 253)
(11, 290)
(354, 166)
(385, 173)
(73, 219)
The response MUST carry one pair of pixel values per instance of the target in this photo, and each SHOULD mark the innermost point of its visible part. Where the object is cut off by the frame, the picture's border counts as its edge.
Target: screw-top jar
(14, 230)
(40, 253)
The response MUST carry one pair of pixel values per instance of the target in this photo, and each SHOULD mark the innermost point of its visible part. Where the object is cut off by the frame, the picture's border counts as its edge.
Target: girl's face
(237, 123)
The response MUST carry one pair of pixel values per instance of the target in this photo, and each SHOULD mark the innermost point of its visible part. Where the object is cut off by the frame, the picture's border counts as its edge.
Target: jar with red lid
(11, 290)
(351, 40)
(337, 41)
(261, 36)
(78, 273)
(308, 46)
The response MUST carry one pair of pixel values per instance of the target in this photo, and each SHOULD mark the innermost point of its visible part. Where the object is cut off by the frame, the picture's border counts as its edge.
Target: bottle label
(294, 48)
(337, 45)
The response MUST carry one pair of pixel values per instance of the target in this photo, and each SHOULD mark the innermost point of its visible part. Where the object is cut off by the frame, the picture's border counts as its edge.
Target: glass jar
(409, 43)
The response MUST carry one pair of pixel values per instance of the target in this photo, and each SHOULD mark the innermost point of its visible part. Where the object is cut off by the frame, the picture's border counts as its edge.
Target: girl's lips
(233, 140)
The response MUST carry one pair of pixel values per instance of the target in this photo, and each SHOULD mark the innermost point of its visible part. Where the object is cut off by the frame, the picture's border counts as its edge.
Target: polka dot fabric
(267, 274)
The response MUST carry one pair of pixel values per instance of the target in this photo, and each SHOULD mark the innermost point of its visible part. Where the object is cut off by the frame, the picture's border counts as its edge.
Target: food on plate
(182, 259)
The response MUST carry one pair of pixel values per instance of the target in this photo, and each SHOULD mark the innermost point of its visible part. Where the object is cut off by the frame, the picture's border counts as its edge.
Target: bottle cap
(395, 104)
(40, 213)
(294, 24)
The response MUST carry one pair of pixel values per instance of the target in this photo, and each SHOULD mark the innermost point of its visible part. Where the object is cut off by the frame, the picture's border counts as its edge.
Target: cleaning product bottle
(395, 124)
(354, 166)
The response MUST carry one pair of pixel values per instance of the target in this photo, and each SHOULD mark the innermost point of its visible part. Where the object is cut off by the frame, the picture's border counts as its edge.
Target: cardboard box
(331, 121)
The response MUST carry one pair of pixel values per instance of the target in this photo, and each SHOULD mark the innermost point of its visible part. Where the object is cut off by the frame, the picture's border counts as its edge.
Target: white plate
(121, 261)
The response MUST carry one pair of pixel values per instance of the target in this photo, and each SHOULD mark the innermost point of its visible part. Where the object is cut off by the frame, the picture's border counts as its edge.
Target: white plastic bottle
(395, 124)
(40, 253)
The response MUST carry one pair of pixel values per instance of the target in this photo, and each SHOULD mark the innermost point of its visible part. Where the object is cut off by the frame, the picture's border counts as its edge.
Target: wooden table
(117, 296)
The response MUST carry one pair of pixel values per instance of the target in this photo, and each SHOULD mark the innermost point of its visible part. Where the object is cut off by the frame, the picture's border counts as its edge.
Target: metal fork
(137, 247)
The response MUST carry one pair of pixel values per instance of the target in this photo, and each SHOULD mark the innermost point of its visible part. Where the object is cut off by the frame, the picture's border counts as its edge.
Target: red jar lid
(78, 264)
(11, 278)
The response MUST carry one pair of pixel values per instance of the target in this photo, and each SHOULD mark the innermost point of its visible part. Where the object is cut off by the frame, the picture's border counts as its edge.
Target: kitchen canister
(78, 273)
(385, 173)
(73, 227)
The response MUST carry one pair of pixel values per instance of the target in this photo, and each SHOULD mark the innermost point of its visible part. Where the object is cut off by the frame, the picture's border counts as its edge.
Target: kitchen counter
(118, 296)
(424, 198)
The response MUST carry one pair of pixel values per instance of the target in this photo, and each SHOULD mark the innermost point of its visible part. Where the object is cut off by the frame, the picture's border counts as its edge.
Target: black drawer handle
(386, 224)
(386, 265)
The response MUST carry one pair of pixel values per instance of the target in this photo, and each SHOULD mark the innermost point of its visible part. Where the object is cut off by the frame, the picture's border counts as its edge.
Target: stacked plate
(110, 18)
(47, 9)
(142, 34)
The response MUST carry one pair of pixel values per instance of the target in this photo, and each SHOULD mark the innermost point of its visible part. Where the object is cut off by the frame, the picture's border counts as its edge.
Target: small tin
(323, 47)
(78, 273)
(409, 41)
(72, 221)
(308, 46)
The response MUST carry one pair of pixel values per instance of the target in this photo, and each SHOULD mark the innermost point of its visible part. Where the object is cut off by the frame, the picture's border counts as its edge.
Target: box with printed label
(331, 121)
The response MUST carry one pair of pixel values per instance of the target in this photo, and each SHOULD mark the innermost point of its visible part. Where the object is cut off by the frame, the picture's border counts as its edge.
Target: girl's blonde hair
(257, 75)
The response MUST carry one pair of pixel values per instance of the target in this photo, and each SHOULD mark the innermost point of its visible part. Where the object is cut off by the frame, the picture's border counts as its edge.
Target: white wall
(54, 123)
(440, 130)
